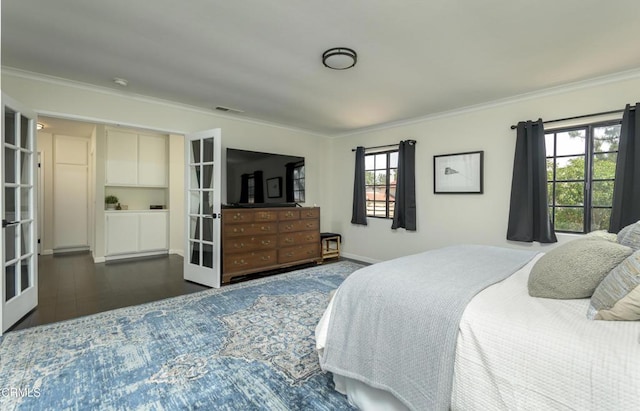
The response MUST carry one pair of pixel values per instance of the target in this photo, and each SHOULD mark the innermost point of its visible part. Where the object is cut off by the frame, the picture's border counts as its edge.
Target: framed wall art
(274, 187)
(460, 173)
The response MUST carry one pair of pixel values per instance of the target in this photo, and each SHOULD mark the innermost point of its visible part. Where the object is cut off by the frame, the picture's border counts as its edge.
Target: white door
(18, 254)
(202, 216)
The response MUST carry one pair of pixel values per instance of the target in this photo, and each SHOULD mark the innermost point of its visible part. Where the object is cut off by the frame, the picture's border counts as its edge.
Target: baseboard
(180, 252)
(98, 260)
(135, 255)
(70, 250)
(360, 258)
(46, 252)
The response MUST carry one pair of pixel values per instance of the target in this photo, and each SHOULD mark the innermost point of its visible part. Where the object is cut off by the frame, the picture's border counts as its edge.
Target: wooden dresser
(261, 239)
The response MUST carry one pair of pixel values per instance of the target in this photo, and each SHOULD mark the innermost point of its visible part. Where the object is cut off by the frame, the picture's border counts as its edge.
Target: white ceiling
(415, 58)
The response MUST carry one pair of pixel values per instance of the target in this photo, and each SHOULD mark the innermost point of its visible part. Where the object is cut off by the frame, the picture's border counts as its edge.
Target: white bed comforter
(516, 352)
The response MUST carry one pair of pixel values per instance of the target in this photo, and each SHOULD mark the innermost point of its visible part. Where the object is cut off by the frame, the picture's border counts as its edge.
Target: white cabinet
(132, 232)
(122, 158)
(153, 231)
(122, 233)
(134, 159)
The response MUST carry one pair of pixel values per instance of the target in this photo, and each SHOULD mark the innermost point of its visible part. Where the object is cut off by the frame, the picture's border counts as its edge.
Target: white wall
(59, 98)
(449, 219)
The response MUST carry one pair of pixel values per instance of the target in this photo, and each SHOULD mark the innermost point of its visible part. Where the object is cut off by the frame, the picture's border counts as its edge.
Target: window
(581, 168)
(381, 175)
(251, 183)
(298, 183)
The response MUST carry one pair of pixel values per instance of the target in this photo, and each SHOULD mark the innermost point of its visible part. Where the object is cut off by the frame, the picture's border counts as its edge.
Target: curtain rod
(385, 146)
(513, 127)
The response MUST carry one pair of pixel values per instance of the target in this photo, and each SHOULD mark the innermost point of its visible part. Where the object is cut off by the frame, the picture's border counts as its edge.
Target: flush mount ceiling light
(120, 81)
(39, 126)
(339, 58)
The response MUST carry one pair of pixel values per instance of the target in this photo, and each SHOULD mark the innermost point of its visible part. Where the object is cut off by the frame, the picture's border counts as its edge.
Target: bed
(511, 351)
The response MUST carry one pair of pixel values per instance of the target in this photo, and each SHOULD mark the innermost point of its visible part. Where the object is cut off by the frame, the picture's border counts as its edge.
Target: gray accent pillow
(630, 236)
(574, 269)
(618, 295)
(603, 235)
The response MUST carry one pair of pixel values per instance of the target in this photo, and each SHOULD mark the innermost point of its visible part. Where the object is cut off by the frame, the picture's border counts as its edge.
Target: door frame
(26, 299)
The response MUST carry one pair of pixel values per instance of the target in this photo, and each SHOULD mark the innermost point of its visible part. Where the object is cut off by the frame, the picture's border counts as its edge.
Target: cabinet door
(122, 233)
(122, 158)
(152, 160)
(153, 231)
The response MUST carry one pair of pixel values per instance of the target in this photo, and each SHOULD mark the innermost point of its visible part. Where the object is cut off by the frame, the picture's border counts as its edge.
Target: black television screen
(264, 178)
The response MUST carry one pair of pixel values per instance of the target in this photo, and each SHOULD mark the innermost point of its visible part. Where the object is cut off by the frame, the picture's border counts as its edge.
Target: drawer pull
(241, 245)
(266, 257)
(309, 214)
(289, 227)
(289, 214)
(310, 252)
(289, 254)
(309, 225)
(238, 230)
(288, 240)
(266, 242)
(309, 237)
(239, 262)
(265, 228)
(238, 216)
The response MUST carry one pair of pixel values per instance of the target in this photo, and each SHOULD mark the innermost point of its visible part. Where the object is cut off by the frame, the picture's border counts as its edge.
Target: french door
(18, 254)
(202, 191)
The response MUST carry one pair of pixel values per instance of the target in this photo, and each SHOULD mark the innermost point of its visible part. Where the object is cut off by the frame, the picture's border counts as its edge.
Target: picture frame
(274, 187)
(459, 173)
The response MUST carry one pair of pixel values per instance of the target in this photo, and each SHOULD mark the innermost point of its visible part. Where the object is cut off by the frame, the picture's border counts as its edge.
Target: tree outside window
(381, 176)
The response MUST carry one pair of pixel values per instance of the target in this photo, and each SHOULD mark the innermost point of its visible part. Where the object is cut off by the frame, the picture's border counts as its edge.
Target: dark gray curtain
(529, 211)
(288, 179)
(244, 188)
(626, 190)
(359, 214)
(258, 181)
(404, 215)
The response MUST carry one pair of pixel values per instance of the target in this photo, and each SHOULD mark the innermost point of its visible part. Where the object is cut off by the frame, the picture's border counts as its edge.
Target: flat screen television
(264, 179)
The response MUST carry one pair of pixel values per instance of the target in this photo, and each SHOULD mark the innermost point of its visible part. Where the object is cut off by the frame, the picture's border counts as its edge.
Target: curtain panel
(359, 213)
(626, 190)
(529, 211)
(404, 215)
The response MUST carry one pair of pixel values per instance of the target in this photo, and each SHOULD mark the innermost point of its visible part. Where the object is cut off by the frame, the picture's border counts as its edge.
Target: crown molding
(29, 75)
(551, 91)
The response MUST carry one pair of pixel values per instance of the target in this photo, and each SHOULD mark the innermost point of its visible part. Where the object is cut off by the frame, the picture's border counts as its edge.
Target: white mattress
(516, 352)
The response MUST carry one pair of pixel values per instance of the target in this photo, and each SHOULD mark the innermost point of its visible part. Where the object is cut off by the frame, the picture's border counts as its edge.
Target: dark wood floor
(71, 285)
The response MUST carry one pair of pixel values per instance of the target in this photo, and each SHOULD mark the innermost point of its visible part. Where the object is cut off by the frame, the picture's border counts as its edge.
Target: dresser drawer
(266, 216)
(301, 252)
(246, 261)
(298, 238)
(244, 244)
(310, 213)
(237, 216)
(235, 230)
(292, 214)
(300, 225)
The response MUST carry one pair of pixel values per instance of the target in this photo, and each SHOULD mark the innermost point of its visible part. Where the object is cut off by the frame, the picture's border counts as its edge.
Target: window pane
(604, 166)
(602, 193)
(393, 176)
(392, 192)
(381, 161)
(381, 177)
(381, 208)
(369, 162)
(550, 163)
(600, 218)
(392, 207)
(570, 168)
(369, 177)
(393, 160)
(606, 138)
(570, 194)
(569, 219)
(570, 142)
(548, 143)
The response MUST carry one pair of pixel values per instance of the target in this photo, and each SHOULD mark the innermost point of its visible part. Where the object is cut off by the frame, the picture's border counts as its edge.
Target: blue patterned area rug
(248, 346)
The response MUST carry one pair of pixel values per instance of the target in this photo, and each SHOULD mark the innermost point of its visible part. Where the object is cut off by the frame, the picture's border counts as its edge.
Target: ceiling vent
(229, 110)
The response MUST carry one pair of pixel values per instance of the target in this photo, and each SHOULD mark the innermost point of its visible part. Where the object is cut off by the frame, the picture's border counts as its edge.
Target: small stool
(330, 244)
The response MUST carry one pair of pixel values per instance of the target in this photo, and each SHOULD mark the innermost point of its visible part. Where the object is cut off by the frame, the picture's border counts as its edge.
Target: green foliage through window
(581, 167)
